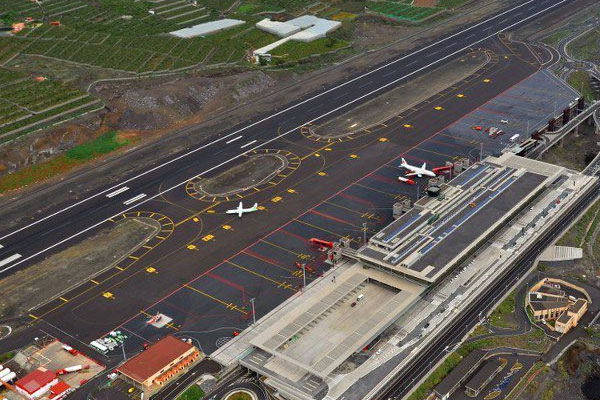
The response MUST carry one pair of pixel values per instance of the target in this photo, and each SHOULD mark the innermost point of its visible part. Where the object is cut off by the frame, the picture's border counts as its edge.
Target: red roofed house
(59, 391)
(160, 362)
(36, 383)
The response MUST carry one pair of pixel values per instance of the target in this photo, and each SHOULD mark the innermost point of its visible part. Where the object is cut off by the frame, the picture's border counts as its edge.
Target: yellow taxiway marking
(108, 295)
(407, 126)
(322, 173)
(134, 257)
(460, 95)
(230, 306)
(208, 237)
(438, 108)
(63, 299)
(226, 227)
(94, 282)
(353, 156)
(383, 139)
(151, 270)
(194, 216)
(276, 199)
(33, 316)
(292, 191)
(487, 80)
(147, 247)
(299, 255)
(279, 284)
(119, 268)
(191, 247)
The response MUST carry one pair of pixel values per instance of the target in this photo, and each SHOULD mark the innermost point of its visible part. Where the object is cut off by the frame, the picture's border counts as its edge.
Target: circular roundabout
(259, 169)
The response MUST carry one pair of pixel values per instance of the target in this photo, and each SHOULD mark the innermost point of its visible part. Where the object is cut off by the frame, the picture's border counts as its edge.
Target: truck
(514, 138)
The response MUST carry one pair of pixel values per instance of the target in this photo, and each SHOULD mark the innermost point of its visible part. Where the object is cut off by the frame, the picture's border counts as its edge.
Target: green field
(100, 146)
(27, 104)
(131, 36)
(403, 11)
(192, 393)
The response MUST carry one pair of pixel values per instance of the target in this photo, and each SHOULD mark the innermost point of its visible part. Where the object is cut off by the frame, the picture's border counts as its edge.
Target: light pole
(253, 312)
(123, 348)
(304, 276)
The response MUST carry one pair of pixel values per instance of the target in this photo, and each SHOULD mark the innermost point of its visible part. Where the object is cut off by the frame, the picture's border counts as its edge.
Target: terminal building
(304, 348)
(440, 232)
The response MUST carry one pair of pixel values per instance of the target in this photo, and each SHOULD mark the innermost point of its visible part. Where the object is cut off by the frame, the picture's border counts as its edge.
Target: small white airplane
(240, 210)
(418, 171)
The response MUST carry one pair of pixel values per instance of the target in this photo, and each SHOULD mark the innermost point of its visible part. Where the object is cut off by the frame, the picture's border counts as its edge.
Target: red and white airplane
(418, 171)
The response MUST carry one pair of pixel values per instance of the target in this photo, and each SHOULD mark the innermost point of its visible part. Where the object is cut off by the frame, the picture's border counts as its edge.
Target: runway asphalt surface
(206, 271)
(208, 264)
(52, 232)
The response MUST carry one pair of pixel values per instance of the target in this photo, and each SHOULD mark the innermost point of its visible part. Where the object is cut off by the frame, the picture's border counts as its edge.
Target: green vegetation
(28, 102)
(555, 38)
(581, 81)
(7, 356)
(500, 317)
(192, 393)
(239, 396)
(587, 47)
(401, 10)
(450, 3)
(294, 51)
(438, 375)
(102, 145)
(579, 231)
(524, 381)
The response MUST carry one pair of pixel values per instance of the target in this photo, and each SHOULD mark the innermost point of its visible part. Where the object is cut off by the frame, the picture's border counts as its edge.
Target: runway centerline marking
(368, 73)
(134, 199)
(248, 144)
(234, 139)
(117, 192)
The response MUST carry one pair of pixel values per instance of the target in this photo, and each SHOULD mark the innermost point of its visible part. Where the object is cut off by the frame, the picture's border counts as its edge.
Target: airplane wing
(411, 174)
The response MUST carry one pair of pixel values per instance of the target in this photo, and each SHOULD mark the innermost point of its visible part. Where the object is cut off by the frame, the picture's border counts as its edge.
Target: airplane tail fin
(424, 165)
(255, 205)
(403, 161)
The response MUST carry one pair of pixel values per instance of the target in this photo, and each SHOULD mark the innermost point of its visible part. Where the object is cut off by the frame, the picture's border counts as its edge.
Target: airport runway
(60, 228)
(207, 266)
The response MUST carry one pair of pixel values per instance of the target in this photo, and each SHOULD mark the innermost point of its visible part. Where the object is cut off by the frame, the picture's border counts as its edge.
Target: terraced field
(402, 10)
(27, 103)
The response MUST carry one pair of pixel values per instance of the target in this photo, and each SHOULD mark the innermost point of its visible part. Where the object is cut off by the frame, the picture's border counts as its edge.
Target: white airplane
(418, 171)
(240, 210)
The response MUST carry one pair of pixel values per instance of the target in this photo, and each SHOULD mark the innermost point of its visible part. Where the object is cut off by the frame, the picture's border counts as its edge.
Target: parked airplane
(418, 171)
(240, 210)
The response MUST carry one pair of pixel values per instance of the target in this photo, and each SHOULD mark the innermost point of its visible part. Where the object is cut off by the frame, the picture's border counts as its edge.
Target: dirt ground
(402, 98)
(253, 171)
(54, 275)
(576, 151)
(576, 371)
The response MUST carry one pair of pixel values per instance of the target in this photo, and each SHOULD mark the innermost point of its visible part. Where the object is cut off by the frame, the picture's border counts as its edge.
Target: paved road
(22, 246)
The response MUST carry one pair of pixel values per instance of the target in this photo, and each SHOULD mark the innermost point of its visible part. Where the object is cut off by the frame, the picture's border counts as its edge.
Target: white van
(360, 297)
(514, 138)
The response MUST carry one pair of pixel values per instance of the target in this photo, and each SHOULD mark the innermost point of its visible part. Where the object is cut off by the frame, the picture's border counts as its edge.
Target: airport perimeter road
(405, 381)
(20, 247)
